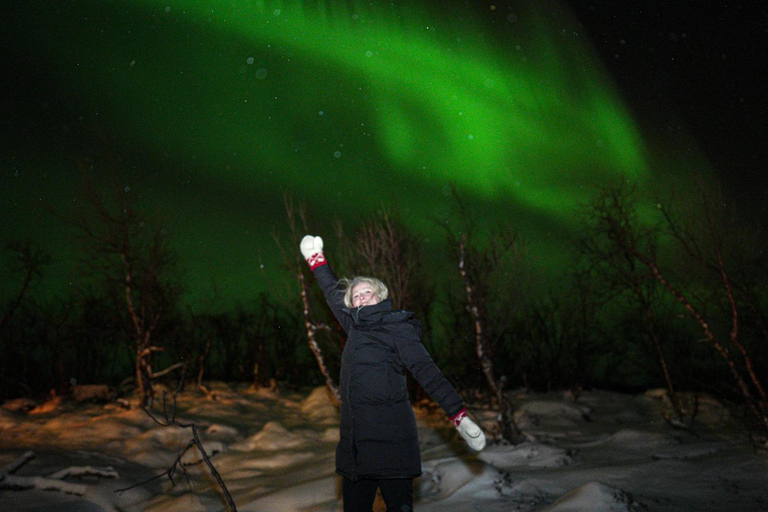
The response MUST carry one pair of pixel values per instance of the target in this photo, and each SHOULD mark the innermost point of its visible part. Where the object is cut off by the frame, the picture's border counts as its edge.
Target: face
(362, 295)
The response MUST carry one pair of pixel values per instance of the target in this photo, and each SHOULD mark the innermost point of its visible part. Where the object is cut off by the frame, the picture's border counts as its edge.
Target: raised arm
(312, 250)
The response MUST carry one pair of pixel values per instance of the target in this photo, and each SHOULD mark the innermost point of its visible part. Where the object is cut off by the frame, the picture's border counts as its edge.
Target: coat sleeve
(419, 363)
(334, 294)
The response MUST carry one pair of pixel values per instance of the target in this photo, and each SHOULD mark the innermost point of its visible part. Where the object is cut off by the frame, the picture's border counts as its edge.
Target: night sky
(211, 111)
(693, 67)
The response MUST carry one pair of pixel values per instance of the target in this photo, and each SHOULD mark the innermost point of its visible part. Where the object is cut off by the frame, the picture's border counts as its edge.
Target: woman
(379, 445)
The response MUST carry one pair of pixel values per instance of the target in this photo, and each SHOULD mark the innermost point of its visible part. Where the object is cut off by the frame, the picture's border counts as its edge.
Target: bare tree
(612, 228)
(201, 342)
(29, 260)
(476, 307)
(391, 252)
(560, 336)
(265, 318)
(720, 245)
(54, 482)
(169, 415)
(707, 247)
(295, 264)
(479, 268)
(127, 255)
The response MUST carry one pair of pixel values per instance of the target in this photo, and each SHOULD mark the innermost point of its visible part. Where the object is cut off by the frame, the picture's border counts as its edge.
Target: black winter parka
(378, 431)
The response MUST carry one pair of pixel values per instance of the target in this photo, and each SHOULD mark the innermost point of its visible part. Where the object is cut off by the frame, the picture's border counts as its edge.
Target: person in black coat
(379, 444)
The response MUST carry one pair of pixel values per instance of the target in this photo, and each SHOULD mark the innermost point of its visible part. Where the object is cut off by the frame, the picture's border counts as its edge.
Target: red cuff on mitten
(460, 416)
(316, 260)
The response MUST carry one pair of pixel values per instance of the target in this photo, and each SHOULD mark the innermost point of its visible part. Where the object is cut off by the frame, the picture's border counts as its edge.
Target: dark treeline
(671, 297)
(52, 347)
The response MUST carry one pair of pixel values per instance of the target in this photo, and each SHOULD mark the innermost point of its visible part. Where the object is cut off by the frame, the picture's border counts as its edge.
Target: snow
(604, 452)
(596, 497)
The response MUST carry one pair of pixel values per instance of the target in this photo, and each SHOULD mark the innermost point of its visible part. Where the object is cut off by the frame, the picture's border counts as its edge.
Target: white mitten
(312, 250)
(469, 430)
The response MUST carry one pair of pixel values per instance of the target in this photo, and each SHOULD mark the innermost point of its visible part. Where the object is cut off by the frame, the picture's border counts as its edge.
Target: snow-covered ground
(605, 452)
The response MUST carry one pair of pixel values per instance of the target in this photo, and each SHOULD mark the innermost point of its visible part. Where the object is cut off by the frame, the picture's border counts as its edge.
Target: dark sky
(696, 64)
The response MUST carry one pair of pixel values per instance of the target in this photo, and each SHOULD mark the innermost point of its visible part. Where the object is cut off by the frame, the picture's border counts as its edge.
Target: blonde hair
(379, 288)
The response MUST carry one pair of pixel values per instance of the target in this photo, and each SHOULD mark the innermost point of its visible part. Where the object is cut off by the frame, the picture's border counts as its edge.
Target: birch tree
(296, 265)
(613, 236)
(135, 263)
(480, 269)
(707, 280)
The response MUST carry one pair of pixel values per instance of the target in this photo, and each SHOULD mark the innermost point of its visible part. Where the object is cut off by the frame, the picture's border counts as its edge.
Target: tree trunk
(756, 408)
(313, 345)
(509, 429)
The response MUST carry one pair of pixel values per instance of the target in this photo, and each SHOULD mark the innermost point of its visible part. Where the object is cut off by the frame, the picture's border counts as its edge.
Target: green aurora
(212, 110)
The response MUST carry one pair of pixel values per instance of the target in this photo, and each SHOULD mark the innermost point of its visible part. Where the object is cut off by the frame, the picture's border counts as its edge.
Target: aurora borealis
(212, 110)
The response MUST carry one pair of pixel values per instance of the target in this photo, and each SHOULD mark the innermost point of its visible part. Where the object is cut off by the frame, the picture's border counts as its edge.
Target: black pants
(359, 496)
